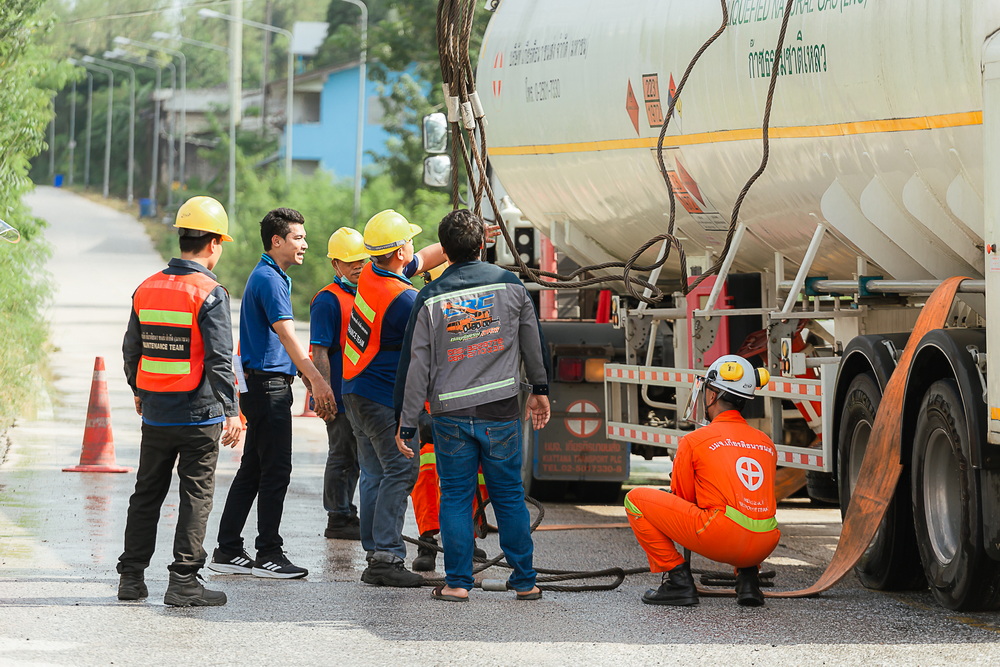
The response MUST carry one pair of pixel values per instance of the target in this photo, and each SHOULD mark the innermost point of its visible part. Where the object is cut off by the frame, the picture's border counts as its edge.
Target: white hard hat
(736, 375)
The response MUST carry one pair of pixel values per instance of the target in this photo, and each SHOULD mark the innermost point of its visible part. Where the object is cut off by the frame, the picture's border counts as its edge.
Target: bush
(30, 79)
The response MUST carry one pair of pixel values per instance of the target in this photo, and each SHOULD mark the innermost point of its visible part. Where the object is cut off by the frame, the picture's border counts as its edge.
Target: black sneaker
(396, 575)
(224, 563)
(277, 566)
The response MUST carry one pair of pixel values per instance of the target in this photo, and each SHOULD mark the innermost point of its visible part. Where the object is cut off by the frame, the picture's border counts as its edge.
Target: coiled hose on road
(549, 577)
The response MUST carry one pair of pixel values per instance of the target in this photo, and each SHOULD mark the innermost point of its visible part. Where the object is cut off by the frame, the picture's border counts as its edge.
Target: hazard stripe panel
(791, 457)
(790, 388)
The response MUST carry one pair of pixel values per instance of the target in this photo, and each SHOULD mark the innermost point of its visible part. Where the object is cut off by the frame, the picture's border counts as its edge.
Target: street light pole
(362, 81)
(211, 13)
(131, 111)
(72, 131)
(183, 132)
(90, 124)
(111, 106)
(153, 65)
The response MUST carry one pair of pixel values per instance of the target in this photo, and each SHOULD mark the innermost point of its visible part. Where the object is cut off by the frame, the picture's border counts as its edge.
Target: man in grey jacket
(468, 333)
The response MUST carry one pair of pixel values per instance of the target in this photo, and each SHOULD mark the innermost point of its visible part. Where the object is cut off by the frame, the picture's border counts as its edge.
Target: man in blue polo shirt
(270, 353)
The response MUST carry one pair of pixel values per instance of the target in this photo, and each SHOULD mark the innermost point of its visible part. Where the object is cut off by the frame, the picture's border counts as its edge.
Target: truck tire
(946, 504)
(892, 561)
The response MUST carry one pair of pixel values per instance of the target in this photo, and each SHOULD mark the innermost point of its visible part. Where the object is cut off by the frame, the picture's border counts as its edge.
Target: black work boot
(132, 586)
(677, 589)
(424, 562)
(395, 575)
(186, 590)
(748, 588)
(340, 527)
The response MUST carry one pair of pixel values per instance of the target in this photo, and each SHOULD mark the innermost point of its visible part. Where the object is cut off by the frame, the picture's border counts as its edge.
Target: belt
(267, 375)
(753, 525)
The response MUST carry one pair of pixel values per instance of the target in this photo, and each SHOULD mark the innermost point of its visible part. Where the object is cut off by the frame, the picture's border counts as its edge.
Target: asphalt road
(61, 534)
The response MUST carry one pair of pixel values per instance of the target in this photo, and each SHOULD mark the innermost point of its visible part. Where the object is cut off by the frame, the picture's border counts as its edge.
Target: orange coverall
(426, 494)
(721, 503)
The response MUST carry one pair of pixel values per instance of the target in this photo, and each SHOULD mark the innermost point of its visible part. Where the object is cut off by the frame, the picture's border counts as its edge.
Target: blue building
(325, 117)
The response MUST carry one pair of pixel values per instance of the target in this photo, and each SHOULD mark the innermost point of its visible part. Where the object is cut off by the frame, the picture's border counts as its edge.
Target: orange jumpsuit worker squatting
(721, 503)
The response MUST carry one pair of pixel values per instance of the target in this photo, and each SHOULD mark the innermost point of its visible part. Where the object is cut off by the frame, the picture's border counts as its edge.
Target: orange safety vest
(346, 300)
(173, 353)
(364, 332)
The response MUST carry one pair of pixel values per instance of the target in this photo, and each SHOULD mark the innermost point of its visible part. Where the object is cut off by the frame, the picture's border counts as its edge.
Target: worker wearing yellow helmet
(329, 314)
(722, 502)
(372, 349)
(178, 353)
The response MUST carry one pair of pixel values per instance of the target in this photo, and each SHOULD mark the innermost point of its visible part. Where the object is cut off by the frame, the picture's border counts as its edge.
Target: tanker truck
(882, 181)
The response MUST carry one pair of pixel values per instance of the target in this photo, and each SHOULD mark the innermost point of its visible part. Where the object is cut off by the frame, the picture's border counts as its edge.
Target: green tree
(403, 55)
(30, 79)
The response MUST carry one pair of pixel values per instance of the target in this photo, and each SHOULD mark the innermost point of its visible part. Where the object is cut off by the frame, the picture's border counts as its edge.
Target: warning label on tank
(690, 196)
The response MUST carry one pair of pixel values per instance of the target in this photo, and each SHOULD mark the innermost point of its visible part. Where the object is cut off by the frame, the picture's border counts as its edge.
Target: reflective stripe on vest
(346, 301)
(364, 331)
(428, 459)
(173, 353)
(753, 525)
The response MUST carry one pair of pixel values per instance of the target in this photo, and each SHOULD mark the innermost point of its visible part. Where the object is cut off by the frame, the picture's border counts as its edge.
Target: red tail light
(569, 369)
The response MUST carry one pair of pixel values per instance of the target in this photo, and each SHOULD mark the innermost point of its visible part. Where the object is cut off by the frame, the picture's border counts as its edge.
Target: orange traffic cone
(307, 411)
(98, 453)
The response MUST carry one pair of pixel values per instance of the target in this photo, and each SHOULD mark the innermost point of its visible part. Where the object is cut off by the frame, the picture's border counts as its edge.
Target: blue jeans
(462, 444)
(387, 478)
(340, 478)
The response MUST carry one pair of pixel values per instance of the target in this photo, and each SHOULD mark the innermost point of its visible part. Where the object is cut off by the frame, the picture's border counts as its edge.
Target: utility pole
(267, 62)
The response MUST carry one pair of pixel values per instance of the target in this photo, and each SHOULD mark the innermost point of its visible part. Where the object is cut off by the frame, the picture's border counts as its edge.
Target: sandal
(530, 595)
(439, 594)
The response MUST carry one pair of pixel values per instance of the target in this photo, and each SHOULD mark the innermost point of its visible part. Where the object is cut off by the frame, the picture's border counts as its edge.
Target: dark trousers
(265, 469)
(195, 449)
(340, 478)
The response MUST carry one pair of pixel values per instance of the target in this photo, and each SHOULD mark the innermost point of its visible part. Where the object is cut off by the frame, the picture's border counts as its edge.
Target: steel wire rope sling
(467, 117)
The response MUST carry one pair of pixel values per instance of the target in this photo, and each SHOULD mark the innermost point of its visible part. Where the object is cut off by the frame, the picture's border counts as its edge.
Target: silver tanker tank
(876, 128)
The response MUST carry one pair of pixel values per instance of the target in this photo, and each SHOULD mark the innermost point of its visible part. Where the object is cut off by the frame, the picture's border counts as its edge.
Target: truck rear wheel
(891, 562)
(946, 507)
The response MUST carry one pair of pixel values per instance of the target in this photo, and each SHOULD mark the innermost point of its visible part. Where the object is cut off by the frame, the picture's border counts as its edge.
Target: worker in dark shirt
(178, 360)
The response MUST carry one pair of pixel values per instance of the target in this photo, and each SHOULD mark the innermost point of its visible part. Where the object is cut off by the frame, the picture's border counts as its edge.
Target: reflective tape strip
(753, 525)
(165, 367)
(351, 353)
(482, 480)
(365, 309)
(631, 508)
(477, 390)
(148, 316)
(428, 459)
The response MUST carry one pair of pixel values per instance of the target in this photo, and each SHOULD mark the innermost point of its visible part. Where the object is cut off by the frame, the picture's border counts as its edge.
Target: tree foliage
(30, 78)
(402, 37)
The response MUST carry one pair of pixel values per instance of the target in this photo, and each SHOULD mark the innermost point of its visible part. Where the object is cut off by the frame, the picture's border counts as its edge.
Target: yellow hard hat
(386, 231)
(347, 245)
(204, 214)
(435, 273)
